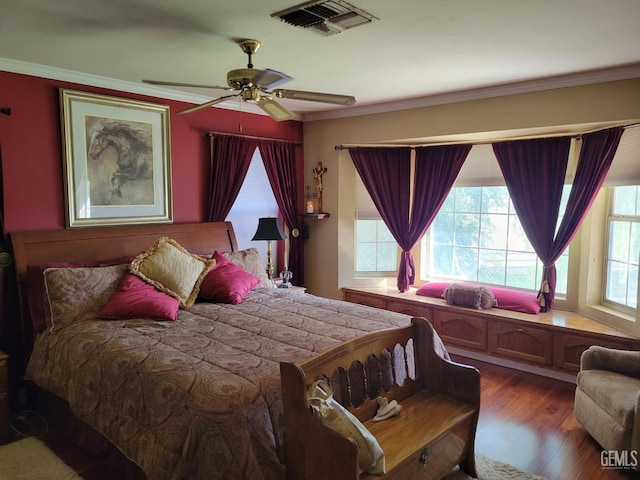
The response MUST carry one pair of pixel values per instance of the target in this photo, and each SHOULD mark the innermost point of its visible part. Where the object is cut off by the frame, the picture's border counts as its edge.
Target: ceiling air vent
(327, 17)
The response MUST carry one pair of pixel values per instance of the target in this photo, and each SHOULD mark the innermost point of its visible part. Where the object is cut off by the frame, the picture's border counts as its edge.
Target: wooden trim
(552, 340)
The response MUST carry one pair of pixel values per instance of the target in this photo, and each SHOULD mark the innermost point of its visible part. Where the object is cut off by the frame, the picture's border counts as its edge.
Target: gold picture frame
(116, 160)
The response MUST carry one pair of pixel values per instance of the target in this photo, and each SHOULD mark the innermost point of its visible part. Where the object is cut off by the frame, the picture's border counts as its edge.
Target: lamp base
(285, 285)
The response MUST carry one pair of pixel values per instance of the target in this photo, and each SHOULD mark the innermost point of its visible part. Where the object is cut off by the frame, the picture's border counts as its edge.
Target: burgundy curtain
(230, 160)
(534, 172)
(279, 160)
(386, 174)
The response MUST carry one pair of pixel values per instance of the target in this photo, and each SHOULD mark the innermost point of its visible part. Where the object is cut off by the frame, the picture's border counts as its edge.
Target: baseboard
(524, 367)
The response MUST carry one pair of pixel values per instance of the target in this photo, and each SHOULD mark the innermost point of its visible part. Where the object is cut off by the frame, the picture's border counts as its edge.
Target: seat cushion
(613, 392)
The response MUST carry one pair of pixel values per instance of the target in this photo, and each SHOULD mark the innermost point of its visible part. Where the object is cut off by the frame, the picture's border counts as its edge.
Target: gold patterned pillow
(172, 269)
(77, 294)
(249, 260)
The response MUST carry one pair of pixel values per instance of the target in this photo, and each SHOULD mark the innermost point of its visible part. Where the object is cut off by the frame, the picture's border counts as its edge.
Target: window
(623, 248)
(477, 236)
(376, 252)
(255, 200)
(376, 249)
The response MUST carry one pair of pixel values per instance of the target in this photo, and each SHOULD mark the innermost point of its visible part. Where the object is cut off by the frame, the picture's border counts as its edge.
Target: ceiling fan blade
(179, 84)
(315, 96)
(207, 104)
(268, 79)
(274, 109)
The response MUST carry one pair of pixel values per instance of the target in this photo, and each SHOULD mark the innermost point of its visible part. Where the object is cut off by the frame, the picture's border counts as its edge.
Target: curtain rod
(472, 142)
(212, 134)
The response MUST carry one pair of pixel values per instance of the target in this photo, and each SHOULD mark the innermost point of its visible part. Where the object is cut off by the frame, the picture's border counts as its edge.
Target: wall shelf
(319, 216)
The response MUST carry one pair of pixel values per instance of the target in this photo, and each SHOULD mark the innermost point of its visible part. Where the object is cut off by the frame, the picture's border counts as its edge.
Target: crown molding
(585, 78)
(55, 73)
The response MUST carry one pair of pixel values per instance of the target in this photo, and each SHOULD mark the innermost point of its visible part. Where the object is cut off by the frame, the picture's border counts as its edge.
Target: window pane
(384, 235)
(467, 200)
(619, 236)
(465, 263)
(387, 253)
(517, 238)
(617, 276)
(521, 270)
(495, 200)
(366, 231)
(255, 200)
(488, 243)
(635, 244)
(467, 230)
(623, 248)
(493, 266)
(366, 257)
(625, 201)
(442, 260)
(442, 229)
(632, 290)
(376, 249)
(493, 233)
(449, 204)
(562, 271)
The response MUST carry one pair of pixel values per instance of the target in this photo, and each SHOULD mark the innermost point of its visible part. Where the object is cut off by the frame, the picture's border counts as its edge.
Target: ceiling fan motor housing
(241, 78)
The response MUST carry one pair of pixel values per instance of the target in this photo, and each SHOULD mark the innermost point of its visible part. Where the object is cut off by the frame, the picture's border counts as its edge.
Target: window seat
(552, 340)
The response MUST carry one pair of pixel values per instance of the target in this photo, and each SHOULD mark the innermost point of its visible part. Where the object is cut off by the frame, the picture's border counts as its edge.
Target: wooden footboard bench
(434, 431)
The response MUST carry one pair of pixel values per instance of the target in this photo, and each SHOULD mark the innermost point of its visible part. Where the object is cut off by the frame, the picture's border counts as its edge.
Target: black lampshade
(269, 229)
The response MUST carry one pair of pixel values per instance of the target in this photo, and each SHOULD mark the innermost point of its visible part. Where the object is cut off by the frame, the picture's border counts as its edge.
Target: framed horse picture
(117, 167)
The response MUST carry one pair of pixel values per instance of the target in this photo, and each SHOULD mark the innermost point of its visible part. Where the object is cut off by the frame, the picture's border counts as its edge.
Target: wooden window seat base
(552, 340)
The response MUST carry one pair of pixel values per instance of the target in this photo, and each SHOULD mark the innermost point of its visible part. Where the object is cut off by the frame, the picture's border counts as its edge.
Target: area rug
(493, 470)
(31, 459)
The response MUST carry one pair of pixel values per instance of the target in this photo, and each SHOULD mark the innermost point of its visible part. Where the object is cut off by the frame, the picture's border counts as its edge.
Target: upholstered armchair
(607, 401)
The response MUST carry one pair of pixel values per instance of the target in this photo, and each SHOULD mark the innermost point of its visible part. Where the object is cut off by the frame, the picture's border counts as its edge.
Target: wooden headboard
(96, 244)
(107, 243)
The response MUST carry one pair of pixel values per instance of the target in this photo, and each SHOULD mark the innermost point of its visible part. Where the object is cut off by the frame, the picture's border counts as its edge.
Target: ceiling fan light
(250, 95)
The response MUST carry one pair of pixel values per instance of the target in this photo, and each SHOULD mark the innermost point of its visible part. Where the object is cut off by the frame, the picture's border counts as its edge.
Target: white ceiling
(417, 48)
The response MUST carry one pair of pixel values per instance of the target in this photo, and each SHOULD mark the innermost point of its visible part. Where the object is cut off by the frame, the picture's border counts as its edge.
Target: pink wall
(31, 147)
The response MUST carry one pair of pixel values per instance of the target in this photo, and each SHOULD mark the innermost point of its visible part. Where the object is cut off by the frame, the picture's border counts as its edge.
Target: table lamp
(269, 229)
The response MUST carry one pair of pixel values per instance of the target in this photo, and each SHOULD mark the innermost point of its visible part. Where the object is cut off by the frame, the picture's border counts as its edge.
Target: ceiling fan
(255, 86)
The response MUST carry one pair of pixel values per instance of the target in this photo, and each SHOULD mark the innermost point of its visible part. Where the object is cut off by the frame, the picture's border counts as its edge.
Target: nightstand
(293, 288)
(4, 397)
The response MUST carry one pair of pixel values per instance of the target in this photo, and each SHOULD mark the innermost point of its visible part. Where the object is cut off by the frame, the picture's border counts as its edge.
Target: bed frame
(106, 243)
(94, 245)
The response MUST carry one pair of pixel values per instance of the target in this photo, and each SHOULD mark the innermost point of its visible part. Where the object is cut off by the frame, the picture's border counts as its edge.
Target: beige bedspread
(198, 398)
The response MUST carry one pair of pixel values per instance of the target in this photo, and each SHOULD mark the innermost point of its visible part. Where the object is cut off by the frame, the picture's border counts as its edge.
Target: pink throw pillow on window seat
(516, 300)
(508, 299)
(433, 289)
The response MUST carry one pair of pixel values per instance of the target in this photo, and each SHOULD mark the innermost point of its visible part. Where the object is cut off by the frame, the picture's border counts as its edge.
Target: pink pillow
(525, 302)
(134, 298)
(226, 282)
(433, 289)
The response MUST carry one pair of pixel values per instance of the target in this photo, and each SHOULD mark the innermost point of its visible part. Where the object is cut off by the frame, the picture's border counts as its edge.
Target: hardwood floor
(525, 420)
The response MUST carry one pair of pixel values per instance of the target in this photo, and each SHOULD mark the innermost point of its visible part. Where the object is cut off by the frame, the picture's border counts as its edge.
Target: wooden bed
(94, 244)
(196, 398)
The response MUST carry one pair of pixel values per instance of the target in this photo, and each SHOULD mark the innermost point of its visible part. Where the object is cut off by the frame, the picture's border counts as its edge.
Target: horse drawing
(133, 150)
